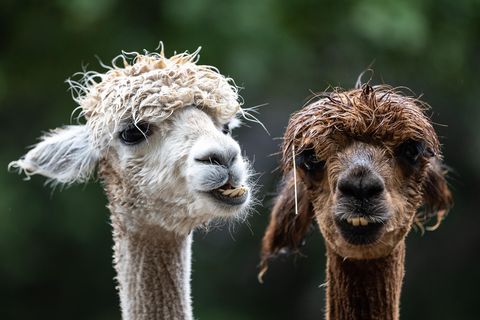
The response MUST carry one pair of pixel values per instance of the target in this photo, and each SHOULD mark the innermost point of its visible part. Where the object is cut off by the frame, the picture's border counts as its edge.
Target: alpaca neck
(153, 273)
(364, 289)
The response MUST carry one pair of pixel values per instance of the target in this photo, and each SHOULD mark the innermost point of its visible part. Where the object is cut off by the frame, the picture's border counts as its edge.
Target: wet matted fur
(378, 115)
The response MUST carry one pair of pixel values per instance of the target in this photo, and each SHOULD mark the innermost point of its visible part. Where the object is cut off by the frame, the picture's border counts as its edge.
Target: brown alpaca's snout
(361, 184)
(361, 211)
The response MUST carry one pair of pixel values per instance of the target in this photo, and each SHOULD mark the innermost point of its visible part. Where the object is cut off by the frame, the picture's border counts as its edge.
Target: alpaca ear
(64, 155)
(436, 194)
(287, 229)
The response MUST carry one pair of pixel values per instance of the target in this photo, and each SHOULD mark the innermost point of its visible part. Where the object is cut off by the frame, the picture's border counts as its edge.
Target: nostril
(217, 156)
(213, 159)
(346, 187)
(361, 187)
(233, 158)
(373, 187)
(231, 155)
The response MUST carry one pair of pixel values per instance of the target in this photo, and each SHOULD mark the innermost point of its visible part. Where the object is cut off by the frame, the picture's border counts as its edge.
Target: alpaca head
(158, 130)
(368, 166)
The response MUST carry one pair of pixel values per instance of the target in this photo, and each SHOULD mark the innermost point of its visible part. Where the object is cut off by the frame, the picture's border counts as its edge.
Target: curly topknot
(151, 86)
(380, 113)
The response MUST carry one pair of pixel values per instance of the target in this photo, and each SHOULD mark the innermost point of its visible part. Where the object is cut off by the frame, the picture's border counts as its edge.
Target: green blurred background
(55, 247)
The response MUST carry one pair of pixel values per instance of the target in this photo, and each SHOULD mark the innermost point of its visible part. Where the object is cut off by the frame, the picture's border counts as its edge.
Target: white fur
(170, 177)
(64, 155)
(187, 106)
(159, 182)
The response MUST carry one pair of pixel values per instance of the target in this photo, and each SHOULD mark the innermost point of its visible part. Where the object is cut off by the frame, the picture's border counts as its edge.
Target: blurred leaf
(392, 24)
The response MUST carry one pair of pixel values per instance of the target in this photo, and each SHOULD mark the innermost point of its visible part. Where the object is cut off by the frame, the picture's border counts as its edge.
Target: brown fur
(375, 114)
(287, 229)
(363, 289)
(340, 126)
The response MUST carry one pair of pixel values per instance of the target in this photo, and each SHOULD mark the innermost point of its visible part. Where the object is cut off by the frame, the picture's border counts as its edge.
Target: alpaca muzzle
(225, 174)
(361, 210)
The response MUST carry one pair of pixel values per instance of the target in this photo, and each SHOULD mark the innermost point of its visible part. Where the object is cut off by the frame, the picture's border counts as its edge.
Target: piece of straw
(295, 180)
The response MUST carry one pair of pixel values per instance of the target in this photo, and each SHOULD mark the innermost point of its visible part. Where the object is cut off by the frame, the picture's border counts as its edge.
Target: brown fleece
(364, 289)
(380, 115)
(288, 228)
(363, 281)
(377, 114)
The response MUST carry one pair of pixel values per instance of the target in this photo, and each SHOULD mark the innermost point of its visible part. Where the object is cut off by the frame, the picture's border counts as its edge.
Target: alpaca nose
(361, 183)
(225, 157)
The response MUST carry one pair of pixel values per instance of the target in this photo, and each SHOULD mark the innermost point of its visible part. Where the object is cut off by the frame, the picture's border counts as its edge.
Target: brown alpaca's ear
(436, 194)
(286, 230)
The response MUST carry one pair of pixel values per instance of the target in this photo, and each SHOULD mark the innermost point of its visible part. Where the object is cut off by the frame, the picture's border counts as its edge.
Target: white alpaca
(158, 131)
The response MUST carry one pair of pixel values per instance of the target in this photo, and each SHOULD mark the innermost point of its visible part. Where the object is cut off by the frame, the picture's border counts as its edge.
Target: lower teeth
(232, 193)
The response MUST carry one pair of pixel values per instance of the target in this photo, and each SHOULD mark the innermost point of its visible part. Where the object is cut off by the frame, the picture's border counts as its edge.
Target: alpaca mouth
(360, 230)
(230, 195)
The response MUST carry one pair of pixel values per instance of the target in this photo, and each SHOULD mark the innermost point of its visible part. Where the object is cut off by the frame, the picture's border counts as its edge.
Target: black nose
(218, 157)
(360, 183)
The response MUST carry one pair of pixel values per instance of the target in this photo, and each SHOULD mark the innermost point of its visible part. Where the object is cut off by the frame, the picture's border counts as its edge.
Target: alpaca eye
(226, 129)
(309, 162)
(411, 151)
(135, 133)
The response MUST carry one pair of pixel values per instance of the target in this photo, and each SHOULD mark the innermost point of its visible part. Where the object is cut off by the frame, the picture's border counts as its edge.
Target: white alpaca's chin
(223, 207)
(223, 201)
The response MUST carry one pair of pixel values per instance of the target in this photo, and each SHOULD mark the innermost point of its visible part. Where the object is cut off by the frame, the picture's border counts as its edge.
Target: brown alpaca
(368, 166)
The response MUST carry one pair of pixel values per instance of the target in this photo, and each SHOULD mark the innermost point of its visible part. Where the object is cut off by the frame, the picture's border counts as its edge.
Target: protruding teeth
(363, 221)
(241, 191)
(234, 192)
(356, 221)
(228, 192)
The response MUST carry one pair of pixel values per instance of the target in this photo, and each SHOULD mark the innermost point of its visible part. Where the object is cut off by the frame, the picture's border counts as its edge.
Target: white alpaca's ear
(64, 155)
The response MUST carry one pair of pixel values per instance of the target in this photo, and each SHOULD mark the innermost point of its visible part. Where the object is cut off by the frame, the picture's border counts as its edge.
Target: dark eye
(411, 151)
(135, 133)
(226, 129)
(308, 161)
